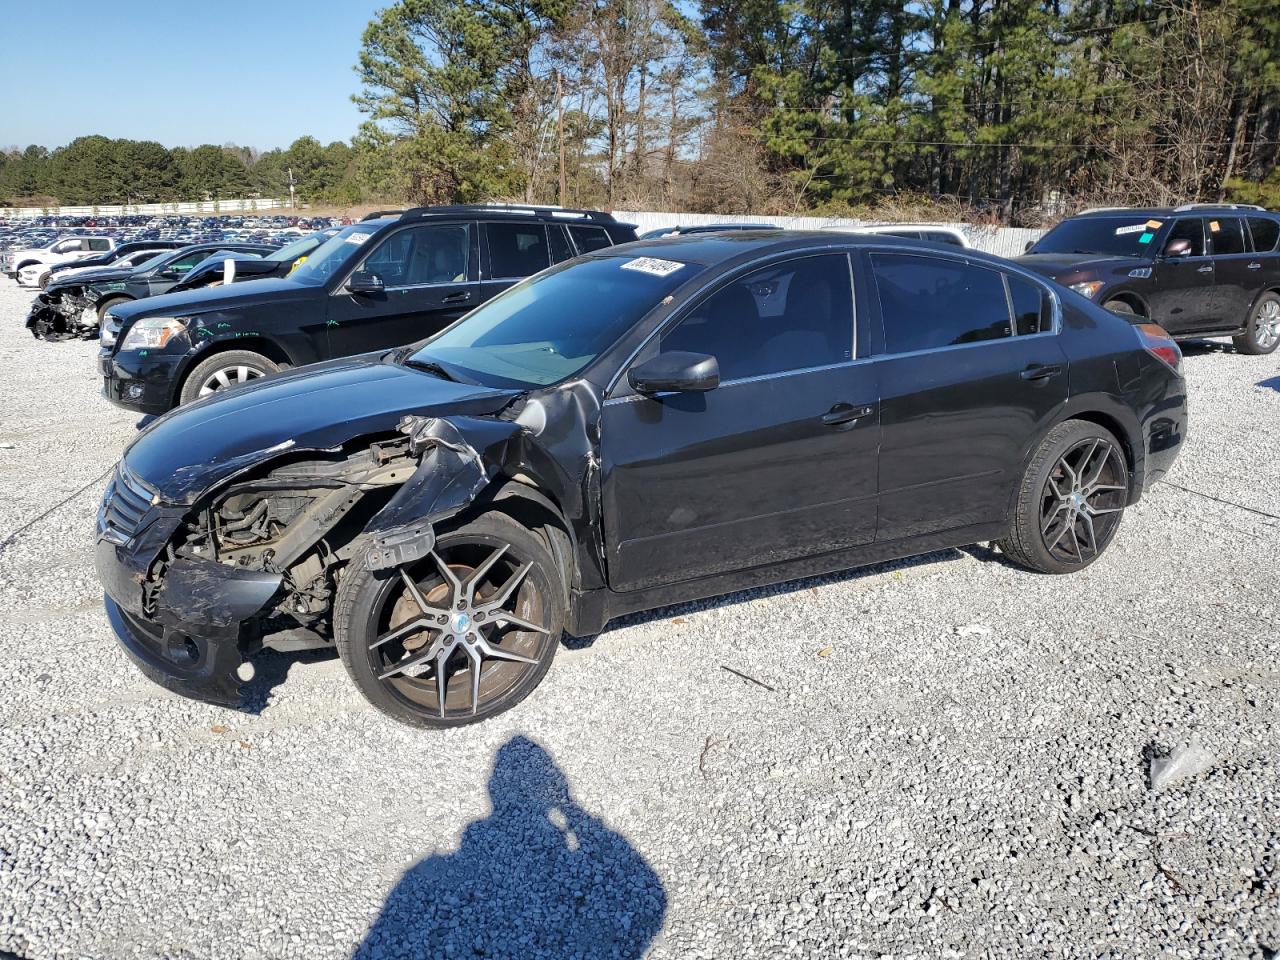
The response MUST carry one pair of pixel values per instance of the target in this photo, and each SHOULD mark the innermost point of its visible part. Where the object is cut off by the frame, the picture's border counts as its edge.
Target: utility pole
(560, 132)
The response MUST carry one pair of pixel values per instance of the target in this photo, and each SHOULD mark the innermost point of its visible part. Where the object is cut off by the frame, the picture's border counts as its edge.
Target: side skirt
(592, 610)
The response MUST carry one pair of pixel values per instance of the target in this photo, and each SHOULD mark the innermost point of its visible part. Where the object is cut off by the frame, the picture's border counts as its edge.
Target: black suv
(394, 278)
(1198, 270)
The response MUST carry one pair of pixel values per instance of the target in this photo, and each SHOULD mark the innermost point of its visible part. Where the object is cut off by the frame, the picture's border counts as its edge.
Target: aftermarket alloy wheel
(223, 371)
(1262, 335)
(459, 636)
(1071, 500)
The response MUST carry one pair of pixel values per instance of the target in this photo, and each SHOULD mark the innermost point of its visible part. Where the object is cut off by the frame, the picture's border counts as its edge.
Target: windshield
(330, 257)
(552, 325)
(1123, 236)
(295, 249)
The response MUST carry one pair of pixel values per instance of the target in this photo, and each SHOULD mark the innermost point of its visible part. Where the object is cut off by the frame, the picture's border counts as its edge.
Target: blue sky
(256, 72)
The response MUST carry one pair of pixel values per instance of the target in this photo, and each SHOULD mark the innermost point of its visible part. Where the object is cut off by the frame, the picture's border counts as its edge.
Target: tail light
(1157, 342)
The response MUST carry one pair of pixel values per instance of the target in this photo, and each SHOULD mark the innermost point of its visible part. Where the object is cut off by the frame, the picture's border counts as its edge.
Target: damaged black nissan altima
(647, 424)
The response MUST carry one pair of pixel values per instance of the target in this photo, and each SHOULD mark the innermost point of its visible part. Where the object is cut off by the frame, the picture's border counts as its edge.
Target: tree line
(1014, 109)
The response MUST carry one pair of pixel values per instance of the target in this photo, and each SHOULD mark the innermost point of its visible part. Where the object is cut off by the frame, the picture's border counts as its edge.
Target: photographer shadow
(538, 877)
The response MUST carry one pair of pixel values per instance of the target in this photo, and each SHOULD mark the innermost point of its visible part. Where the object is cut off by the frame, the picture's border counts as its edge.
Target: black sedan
(647, 424)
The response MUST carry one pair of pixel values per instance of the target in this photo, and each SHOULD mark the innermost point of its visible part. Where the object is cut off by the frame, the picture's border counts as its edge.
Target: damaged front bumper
(68, 318)
(192, 635)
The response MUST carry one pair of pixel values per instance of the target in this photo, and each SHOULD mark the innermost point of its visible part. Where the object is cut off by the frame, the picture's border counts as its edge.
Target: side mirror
(1027, 247)
(675, 372)
(1178, 248)
(364, 282)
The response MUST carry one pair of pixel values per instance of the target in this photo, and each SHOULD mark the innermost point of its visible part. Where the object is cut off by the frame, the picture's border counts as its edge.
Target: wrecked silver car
(650, 423)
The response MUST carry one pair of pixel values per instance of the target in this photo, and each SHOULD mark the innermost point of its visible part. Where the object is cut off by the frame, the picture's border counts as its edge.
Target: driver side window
(788, 316)
(1190, 229)
(427, 254)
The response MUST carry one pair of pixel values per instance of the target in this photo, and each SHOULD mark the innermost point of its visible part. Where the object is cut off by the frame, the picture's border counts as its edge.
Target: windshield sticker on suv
(358, 238)
(652, 265)
(1146, 238)
(1214, 226)
(1155, 224)
(1135, 228)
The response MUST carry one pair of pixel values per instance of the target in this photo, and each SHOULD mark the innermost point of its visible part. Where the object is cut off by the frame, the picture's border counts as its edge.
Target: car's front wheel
(459, 636)
(1262, 333)
(1070, 501)
(223, 371)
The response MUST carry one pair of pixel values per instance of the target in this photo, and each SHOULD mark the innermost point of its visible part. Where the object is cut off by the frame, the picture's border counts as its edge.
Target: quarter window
(1266, 232)
(1227, 236)
(1030, 306)
(587, 239)
(789, 316)
(517, 249)
(929, 302)
(1188, 228)
(560, 248)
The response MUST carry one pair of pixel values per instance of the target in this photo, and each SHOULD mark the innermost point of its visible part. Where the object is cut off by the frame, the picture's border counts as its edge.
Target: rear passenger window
(1227, 235)
(1266, 232)
(517, 249)
(1030, 306)
(99, 245)
(928, 303)
(587, 239)
(789, 316)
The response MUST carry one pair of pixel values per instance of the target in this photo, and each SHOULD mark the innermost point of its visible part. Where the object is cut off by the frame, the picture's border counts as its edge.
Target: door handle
(1041, 371)
(1255, 266)
(846, 413)
(457, 297)
(1207, 268)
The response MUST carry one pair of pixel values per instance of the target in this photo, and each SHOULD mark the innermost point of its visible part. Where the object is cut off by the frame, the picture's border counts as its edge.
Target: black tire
(1121, 308)
(106, 305)
(372, 605)
(1051, 532)
(232, 366)
(1262, 332)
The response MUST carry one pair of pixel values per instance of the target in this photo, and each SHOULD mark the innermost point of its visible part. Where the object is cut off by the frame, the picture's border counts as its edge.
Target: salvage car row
(507, 424)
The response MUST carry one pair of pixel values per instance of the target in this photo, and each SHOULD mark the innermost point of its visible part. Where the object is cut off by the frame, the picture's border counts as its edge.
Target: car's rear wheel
(1071, 500)
(459, 636)
(1262, 333)
(223, 371)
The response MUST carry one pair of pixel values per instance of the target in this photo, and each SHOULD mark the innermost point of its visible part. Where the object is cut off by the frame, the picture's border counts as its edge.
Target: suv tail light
(1157, 342)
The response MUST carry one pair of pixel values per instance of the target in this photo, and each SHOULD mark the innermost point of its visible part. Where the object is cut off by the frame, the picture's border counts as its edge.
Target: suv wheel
(459, 636)
(1262, 333)
(1121, 307)
(223, 371)
(1071, 500)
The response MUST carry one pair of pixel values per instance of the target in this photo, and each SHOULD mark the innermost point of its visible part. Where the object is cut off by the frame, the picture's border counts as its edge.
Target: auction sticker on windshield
(358, 238)
(652, 265)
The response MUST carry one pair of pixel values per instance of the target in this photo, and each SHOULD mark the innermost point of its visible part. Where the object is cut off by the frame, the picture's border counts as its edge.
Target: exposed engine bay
(64, 315)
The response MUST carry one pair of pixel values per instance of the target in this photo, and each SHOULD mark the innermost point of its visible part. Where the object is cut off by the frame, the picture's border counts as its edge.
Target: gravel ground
(948, 757)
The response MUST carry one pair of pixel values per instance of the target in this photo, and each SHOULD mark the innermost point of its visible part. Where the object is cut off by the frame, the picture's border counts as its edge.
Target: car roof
(715, 249)
(1190, 210)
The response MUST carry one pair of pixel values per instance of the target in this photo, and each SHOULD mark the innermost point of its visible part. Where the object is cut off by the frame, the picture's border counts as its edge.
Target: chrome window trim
(424, 286)
(725, 279)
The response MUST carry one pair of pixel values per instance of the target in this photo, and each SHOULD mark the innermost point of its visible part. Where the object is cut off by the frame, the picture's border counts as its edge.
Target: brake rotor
(405, 609)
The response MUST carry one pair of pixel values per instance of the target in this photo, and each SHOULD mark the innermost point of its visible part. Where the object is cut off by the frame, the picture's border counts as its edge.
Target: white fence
(1002, 241)
(212, 207)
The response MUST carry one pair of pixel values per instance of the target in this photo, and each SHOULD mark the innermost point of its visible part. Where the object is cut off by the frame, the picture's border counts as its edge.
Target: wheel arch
(203, 351)
(1134, 300)
(535, 507)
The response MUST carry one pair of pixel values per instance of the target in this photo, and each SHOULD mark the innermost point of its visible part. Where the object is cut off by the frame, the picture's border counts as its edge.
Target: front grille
(126, 507)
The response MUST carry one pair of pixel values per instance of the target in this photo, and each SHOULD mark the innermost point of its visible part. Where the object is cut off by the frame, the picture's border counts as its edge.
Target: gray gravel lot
(963, 773)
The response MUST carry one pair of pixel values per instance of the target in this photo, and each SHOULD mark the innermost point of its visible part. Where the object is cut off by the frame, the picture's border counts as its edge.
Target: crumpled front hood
(192, 449)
